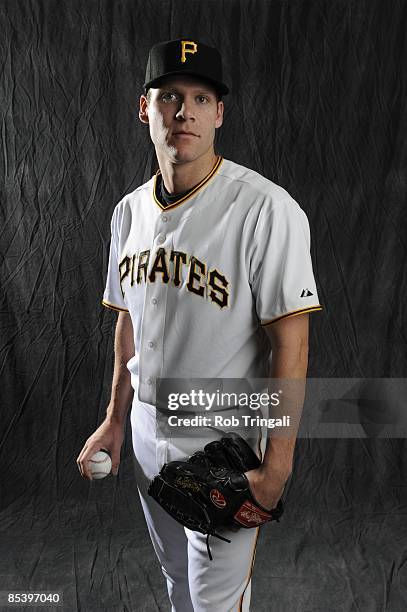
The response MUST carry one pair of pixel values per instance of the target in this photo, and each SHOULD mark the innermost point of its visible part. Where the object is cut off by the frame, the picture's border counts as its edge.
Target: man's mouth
(185, 133)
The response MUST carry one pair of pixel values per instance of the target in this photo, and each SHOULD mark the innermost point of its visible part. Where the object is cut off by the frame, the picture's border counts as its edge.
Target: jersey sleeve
(112, 296)
(281, 274)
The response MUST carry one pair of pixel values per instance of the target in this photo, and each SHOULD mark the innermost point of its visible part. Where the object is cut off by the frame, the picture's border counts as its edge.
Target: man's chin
(183, 155)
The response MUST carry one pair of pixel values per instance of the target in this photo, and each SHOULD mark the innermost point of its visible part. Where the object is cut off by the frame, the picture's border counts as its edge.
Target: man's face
(182, 114)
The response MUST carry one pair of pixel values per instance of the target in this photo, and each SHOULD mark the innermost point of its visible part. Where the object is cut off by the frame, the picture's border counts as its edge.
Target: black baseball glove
(209, 489)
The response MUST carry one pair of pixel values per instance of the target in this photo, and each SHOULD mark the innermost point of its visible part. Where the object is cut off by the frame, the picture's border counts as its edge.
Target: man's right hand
(109, 436)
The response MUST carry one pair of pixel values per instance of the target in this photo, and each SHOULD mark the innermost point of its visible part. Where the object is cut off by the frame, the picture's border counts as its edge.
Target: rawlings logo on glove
(217, 498)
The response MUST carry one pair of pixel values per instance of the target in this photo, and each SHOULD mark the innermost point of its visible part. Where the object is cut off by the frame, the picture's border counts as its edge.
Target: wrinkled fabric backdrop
(318, 105)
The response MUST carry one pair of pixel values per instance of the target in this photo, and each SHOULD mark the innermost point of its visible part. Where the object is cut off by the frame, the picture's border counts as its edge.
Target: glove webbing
(176, 512)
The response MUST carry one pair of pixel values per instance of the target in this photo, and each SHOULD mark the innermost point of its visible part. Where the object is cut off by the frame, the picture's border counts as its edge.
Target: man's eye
(168, 96)
(202, 99)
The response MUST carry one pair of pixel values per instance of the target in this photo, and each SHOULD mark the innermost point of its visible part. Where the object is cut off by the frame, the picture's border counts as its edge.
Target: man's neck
(183, 176)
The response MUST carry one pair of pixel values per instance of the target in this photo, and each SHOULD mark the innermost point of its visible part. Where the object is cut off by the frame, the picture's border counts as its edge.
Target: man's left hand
(266, 489)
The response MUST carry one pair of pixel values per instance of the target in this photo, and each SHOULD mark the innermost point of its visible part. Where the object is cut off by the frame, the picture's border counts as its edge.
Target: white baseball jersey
(203, 276)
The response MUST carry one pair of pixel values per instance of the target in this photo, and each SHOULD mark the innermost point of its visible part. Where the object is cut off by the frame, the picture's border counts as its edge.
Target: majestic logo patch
(306, 293)
(217, 498)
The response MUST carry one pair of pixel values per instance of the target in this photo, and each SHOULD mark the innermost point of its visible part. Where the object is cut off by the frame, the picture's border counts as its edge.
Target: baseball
(100, 465)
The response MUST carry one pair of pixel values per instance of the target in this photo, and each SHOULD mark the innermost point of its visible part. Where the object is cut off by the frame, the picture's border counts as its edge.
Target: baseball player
(210, 272)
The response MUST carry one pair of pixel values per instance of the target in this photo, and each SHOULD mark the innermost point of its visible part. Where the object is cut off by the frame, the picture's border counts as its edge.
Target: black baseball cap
(184, 56)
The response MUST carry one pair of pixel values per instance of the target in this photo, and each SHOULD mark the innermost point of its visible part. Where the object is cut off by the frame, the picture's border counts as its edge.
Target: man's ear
(143, 110)
(219, 114)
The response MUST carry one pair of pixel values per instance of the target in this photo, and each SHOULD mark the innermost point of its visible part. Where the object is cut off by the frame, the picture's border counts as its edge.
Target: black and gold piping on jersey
(191, 193)
(249, 577)
(166, 266)
(114, 307)
(294, 313)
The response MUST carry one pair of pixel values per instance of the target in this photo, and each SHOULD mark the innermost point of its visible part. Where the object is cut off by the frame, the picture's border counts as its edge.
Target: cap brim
(220, 87)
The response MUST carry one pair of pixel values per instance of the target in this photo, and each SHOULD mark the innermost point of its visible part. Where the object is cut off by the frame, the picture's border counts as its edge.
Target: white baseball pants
(194, 582)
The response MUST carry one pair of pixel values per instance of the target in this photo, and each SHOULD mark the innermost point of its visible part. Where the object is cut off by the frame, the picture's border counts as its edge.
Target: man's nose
(186, 110)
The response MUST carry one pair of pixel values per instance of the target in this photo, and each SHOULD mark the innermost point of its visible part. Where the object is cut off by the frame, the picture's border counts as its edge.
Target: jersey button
(154, 301)
(164, 218)
(151, 344)
(160, 238)
(149, 381)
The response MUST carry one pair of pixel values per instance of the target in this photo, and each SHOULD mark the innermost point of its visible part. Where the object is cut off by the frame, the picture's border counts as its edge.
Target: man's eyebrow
(174, 89)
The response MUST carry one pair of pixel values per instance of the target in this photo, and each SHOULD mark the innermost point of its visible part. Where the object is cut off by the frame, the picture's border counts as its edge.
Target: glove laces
(216, 535)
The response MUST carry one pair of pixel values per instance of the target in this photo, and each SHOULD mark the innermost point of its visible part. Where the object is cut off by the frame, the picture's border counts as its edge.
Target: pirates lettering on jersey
(197, 272)
(217, 293)
(159, 266)
(179, 258)
(142, 266)
(163, 266)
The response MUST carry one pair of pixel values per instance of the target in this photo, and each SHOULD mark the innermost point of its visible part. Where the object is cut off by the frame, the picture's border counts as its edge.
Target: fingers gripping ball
(100, 465)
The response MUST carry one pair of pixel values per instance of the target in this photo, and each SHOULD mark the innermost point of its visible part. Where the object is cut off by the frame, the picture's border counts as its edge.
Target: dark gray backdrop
(317, 104)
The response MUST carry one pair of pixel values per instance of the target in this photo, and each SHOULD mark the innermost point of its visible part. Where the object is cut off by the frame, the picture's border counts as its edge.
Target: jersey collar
(191, 193)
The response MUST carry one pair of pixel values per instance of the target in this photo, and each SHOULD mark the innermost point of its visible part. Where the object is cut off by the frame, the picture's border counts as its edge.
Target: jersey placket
(154, 313)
